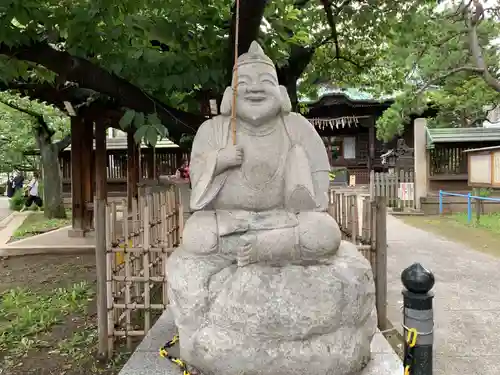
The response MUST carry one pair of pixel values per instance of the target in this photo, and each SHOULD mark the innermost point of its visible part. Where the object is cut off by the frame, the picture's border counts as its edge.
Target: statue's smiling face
(258, 94)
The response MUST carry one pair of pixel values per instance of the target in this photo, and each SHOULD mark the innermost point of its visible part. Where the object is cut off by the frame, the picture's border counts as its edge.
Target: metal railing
(469, 197)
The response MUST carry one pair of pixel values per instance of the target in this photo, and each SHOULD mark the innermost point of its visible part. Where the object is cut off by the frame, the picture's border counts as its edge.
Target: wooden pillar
(381, 262)
(77, 192)
(132, 169)
(178, 160)
(421, 155)
(100, 234)
(371, 144)
(150, 163)
(87, 170)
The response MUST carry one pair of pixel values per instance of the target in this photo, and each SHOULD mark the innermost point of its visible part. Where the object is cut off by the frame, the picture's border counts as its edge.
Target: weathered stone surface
(291, 319)
(262, 284)
(146, 361)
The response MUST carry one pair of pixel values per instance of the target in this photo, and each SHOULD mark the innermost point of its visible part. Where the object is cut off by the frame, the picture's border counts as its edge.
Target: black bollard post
(418, 320)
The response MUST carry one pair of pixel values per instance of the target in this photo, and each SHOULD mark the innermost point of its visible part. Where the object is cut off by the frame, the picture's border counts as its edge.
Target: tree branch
(447, 74)
(472, 21)
(440, 43)
(45, 92)
(42, 128)
(333, 27)
(63, 143)
(88, 75)
(331, 19)
(251, 13)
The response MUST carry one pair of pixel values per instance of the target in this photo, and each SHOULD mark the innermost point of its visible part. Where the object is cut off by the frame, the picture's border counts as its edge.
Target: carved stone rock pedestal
(146, 361)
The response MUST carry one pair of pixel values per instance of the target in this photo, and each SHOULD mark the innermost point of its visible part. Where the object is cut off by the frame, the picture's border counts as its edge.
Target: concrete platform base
(146, 360)
(53, 242)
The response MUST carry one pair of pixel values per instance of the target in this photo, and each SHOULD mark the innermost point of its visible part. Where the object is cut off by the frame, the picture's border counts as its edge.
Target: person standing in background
(33, 193)
(183, 170)
(10, 187)
(18, 181)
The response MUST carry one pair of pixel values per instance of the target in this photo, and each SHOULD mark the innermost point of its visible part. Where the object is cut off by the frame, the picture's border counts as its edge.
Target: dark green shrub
(16, 203)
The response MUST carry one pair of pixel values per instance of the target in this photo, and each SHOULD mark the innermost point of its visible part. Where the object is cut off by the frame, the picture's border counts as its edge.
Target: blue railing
(469, 197)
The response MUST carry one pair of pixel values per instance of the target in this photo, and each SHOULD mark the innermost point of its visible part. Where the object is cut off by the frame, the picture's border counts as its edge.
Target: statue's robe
(309, 175)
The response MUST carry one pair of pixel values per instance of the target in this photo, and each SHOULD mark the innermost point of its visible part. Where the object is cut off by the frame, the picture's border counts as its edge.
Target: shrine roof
(483, 149)
(349, 97)
(461, 135)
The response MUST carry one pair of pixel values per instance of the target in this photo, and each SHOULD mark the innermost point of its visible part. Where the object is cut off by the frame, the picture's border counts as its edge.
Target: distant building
(493, 118)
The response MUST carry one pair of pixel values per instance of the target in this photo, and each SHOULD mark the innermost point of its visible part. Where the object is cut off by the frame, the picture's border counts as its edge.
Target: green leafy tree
(151, 60)
(445, 55)
(46, 124)
(17, 142)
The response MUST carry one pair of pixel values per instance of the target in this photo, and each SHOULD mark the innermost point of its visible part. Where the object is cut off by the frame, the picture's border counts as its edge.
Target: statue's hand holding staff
(229, 157)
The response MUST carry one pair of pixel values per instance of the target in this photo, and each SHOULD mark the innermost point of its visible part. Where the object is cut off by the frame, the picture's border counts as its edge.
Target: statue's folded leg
(316, 237)
(319, 235)
(190, 268)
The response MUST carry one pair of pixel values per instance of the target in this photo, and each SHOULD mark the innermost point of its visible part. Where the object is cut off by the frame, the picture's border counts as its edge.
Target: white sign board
(406, 191)
(480, 169)
(352, 180)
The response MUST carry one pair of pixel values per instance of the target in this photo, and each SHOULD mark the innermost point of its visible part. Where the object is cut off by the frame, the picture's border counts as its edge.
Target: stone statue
(262, 283)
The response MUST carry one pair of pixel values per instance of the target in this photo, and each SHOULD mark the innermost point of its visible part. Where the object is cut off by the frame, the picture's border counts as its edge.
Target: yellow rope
(177, 361)
(411, 341)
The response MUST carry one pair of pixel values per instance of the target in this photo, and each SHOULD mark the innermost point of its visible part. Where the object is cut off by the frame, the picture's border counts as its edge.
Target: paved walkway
(467, 298)
(4, 207)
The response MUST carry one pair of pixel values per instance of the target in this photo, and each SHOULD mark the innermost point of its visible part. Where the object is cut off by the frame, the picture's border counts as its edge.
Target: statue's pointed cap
(256, 49)
(255, 54)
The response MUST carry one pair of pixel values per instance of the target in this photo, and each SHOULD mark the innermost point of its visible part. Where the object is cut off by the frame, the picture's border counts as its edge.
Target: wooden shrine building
(164, 159)
(92, 168)
(347, 126)
(448, 164)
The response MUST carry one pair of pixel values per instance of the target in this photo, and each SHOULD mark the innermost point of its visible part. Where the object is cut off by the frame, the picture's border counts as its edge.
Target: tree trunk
(52, 180)
(291, 87)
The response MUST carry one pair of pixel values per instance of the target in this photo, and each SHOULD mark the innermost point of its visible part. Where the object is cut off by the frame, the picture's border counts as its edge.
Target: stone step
(147, 361)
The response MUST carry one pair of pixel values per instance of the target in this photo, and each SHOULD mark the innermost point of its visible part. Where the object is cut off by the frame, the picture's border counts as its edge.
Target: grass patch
(48, 320)
(483, 236)
(26, 315)
(37, 223)
(490, 222)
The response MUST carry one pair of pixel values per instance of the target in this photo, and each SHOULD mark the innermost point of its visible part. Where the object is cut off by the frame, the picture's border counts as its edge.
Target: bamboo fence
(398, 188)
(362, 221)
(138, 242)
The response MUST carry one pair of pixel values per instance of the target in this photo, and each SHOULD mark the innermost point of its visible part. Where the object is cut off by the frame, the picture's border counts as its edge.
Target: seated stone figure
(262, 283)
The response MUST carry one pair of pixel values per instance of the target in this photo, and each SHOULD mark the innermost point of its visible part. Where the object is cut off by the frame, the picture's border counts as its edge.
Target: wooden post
(77, 195)
(421, 160)
(381, 261)
(100, 241)
(132, 169)
(86, 173)
(355, 219)
(150, 162)
(478, 210)
(371, 144)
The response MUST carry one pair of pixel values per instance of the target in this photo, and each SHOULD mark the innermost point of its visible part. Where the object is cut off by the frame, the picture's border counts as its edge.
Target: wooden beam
(77, 198)
(100, 243)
